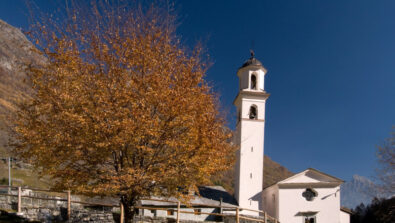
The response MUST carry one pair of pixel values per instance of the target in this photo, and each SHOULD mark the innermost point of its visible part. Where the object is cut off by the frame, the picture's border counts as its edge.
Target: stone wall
(42, 210)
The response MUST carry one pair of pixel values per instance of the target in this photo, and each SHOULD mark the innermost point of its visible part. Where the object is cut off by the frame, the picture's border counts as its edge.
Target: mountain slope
(15, 52)
(358, 190)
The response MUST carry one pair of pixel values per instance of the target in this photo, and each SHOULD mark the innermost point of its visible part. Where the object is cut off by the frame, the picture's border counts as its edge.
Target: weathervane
(252, 53)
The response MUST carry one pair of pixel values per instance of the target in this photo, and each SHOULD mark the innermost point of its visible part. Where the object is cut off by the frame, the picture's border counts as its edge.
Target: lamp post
(9, 172)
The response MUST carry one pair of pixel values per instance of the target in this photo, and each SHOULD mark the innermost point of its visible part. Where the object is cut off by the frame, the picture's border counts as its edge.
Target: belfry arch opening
(253, 112)
(253, 81)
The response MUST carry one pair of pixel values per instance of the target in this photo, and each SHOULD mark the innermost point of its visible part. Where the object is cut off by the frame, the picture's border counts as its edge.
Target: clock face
(309, 194)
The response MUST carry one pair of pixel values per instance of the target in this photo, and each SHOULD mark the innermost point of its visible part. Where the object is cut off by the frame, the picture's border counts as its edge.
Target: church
(310, 196)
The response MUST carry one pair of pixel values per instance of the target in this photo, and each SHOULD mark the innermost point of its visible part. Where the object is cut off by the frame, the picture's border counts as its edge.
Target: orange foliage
(121, 108)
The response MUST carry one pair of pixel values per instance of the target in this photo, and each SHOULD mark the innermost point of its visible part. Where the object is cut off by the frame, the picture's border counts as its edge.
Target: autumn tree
(121, 107)
(386, 158)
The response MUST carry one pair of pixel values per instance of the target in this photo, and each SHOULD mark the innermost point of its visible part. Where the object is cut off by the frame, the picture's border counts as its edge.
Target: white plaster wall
(247, 103)
(327, 204)
(244, 81)
(245, 76)
(251, 164)
(344, 217)
(261, 80)
(269, 206)
(250, 156)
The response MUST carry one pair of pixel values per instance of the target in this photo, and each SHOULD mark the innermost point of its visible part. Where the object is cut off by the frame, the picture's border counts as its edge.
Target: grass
(22, 177)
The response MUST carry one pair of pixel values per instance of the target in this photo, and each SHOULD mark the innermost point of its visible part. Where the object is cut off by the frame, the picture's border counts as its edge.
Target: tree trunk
(129, 210)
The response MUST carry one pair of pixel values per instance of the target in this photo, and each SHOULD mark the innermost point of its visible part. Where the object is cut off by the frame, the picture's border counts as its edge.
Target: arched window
(253, 112)
(253, 82)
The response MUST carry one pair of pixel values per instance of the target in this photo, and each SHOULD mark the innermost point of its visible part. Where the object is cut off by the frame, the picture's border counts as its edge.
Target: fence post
(237, 216)
(68, 205)
(121, 218)
(9, 180)
(178, 211)
(265, 216)
(19, 200)
(220, 205)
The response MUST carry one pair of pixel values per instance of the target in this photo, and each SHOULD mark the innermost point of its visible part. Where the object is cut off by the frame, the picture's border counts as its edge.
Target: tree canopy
(121, 107)
(379, 211)
(386, 158)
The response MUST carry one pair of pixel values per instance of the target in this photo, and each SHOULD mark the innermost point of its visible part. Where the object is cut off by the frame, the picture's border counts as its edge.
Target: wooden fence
(264, 217)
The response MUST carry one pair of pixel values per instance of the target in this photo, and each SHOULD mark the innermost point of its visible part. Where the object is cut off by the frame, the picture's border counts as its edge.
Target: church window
(253, 82)
(252, 149)
(253, 112)
(251, 175)
(309, 219)
(309, 194)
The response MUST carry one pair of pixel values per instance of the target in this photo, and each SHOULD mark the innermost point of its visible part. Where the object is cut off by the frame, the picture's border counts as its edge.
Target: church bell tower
(250, 104)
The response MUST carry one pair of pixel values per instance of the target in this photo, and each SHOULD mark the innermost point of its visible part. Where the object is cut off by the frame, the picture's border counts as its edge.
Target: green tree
(379, 211)
(121, 107)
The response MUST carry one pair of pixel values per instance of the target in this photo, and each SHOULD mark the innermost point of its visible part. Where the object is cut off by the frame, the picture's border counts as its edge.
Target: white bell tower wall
(250, 103)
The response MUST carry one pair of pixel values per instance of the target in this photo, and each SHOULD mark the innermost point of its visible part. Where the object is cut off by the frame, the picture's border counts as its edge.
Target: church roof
(252, 61)
(348, 211)
(309, 176)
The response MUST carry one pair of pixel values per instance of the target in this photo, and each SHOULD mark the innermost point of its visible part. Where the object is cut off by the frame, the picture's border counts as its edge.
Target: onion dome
(252, 61)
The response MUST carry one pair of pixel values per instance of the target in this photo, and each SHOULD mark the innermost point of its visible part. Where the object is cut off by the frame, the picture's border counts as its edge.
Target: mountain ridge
(358, 190)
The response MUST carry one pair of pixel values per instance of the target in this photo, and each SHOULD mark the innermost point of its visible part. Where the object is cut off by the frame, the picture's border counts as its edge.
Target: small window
(253, 82)
(197, 211)
(253, 112)
(252, 149)
(309, 219)
(251, 175)
(153, 212)
(170, 212)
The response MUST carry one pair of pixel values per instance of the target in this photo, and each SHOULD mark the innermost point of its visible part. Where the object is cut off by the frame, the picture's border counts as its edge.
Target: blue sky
(331, 72)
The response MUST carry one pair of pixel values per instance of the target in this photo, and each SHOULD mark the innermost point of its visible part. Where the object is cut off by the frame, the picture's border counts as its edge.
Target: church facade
(307, 197)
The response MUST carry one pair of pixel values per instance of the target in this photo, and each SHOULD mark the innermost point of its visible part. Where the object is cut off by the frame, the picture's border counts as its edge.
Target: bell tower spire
(250, 103)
